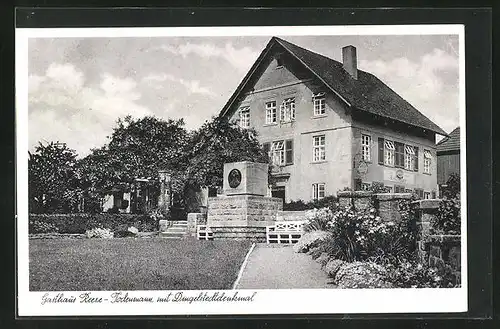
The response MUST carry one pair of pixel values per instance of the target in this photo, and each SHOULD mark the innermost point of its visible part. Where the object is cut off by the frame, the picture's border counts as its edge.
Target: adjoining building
(448, 157)
(329, 126)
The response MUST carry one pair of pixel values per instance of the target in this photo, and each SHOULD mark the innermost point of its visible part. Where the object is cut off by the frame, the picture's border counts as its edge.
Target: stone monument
(244, 210)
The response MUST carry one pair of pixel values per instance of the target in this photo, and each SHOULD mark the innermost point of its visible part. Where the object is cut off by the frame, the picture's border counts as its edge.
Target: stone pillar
(165, 191)
(193, 220)
(426, 211)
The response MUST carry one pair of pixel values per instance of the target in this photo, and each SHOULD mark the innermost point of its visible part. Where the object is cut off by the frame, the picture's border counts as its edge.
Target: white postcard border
(307, 301)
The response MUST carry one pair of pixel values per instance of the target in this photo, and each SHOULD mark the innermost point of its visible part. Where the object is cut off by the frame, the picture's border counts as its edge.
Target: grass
(134, 264)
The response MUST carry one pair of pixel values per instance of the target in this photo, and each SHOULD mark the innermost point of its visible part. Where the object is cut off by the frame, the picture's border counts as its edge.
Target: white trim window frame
(427, 161)
(319, 104)
(427, 195)
(389, 153)
(287, 110)
(271, 115)
(245, 117)
(319, 191)
(319, 148)
(278, 153)
(366, 144)
(409, 157)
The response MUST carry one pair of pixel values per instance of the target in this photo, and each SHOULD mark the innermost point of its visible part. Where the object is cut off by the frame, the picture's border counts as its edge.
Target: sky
(79, 87)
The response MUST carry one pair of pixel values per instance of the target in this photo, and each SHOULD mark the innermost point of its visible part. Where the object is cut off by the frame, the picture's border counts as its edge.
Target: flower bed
(358, 249)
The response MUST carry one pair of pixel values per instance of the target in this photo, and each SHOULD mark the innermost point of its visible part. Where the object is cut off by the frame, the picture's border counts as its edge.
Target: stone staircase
(177, 230)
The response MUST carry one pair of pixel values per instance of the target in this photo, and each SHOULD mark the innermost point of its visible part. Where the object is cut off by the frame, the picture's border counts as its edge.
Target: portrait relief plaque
(234, 178)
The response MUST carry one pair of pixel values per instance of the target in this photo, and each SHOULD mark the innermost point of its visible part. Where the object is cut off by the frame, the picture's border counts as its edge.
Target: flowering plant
(102, 233)
(317, 219)
(133, 230)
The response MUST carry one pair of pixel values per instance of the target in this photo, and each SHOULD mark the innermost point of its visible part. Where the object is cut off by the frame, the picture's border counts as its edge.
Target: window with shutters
(427, 161)
(319, 104)
(389, 153)
(278, 153)
(318, 191)
(410, 157)
(245, 117)
(271, 115)
(287, 110)
(366, 142)
(319, 148)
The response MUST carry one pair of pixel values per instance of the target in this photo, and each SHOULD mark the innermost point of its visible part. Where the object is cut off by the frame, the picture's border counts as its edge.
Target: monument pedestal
(244, 211)
(242, 216)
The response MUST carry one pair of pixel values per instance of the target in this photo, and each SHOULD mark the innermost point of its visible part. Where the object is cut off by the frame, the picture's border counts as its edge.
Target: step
(172, 235)
(176, 229)
(179, 222)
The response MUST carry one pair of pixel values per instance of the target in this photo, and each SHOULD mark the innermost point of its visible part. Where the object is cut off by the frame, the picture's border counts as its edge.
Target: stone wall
(290, 215)
(387, 204)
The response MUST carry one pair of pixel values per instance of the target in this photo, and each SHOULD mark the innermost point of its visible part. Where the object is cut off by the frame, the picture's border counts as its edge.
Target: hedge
(79, 223)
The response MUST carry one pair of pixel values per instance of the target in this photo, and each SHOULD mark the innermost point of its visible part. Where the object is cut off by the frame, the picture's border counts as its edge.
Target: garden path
(279, 267)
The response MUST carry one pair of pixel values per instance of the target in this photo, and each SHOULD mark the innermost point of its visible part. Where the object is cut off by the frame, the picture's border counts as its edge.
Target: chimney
(350, 61)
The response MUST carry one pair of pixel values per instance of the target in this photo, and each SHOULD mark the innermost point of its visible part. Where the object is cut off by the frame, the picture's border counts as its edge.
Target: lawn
(134, 264)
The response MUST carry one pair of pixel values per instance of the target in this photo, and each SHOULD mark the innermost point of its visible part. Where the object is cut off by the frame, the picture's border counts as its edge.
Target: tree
(53, 179)
(217, 142)
(137, 149)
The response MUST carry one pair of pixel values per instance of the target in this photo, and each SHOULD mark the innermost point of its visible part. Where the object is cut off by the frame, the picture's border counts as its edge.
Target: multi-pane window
(319, 103)
(365, 186)
(410, 157)
(399, 189)
(318, 191)
(287, 110)
(245, 117)
(271, 112)
(319, 148)
(278, 153)
(366, 142)
(427, 161)
(419, 192)
(427, 195)
(397, 154)
(389, 153)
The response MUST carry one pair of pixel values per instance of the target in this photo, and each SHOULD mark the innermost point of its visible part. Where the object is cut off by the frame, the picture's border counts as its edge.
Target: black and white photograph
(242, 170)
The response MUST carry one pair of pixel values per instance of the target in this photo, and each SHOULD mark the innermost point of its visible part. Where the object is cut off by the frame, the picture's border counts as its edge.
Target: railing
(203, 232)
(288, 232)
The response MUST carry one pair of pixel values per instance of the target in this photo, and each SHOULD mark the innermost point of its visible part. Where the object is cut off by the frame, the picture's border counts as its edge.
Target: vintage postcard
(241, 170)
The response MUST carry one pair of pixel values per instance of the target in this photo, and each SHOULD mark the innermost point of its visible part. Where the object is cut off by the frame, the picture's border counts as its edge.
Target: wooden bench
(285, 232)
(203, 232)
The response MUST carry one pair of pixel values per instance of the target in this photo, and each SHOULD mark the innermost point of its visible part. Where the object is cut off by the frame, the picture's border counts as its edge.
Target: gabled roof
(367, 93)
(450, 143)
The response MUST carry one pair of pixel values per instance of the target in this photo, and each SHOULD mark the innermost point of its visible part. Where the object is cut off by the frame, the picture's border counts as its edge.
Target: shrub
(317, 219)
(37, 226)
(361, 235)
(80, 223)
(412, 274)
(310, 240)
(100, 233)
(361, 275)
(448, 218)
(332, 266)
(329, 202)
